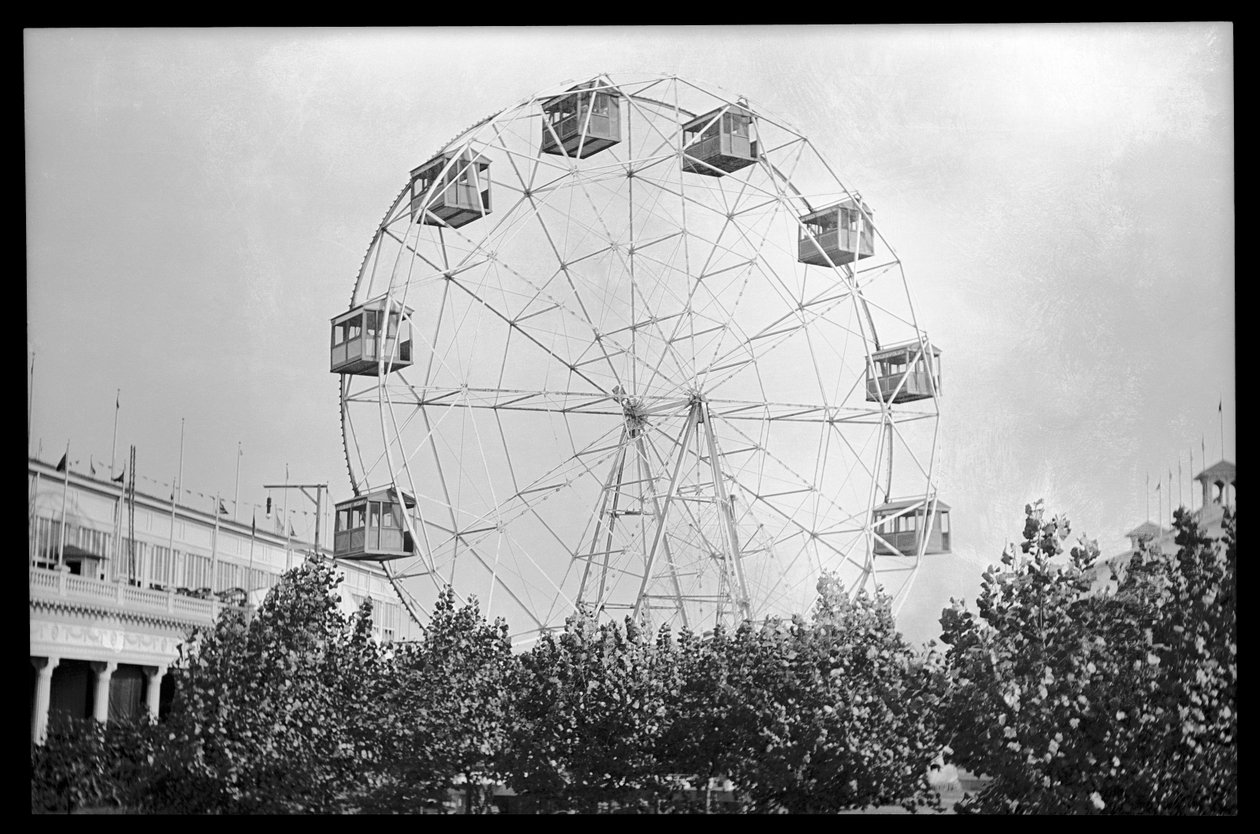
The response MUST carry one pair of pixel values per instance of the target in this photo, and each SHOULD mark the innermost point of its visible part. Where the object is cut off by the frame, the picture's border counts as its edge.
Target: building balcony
(60, 586)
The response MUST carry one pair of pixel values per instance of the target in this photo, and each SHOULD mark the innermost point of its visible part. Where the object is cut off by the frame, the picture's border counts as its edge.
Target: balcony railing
(118, 596)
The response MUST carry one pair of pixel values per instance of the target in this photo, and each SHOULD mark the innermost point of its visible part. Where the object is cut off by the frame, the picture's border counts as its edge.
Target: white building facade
(118, 581)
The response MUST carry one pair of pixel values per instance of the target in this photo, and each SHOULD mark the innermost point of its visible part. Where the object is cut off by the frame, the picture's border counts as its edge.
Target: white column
(104, 672)
(43, 694)
(153, 687)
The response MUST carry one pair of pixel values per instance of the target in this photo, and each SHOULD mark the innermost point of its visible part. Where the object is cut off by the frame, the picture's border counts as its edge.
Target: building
(1219, 487)
(110, 608)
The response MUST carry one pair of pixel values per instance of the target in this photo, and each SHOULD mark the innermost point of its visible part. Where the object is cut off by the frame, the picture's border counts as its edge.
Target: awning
(75, 552)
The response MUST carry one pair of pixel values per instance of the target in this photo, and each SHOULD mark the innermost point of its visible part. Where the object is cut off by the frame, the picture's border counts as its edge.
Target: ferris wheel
(632, 345)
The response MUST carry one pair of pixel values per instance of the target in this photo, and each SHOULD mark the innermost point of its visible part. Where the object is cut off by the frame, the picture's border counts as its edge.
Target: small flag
(223, 509)
(291, 528)
(121, 476)
(253, 523)
(92, 466)
(61, 465)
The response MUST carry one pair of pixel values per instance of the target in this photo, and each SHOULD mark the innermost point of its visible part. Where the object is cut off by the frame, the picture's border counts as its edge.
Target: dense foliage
(266, 710)
(589, 711)
(807, 716)
(1071, 700)
(1076, 701)
(445, 704)
(84, 764)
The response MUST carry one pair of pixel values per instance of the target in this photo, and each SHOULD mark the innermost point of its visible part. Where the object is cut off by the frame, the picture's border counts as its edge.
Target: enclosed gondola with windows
(370, 527)
(451, 190)
(904, 373)
(902, 525)
(837, 234)
(719, 142)
(362, 336)
(584, 121)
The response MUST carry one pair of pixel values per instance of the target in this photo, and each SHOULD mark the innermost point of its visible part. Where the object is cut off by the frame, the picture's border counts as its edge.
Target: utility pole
(317, 499)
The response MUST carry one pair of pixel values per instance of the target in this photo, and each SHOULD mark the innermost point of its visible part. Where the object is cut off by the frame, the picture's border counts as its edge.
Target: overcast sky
(1061, 197)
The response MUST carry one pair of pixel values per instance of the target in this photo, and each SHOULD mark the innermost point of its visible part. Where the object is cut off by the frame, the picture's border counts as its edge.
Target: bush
(84, 764)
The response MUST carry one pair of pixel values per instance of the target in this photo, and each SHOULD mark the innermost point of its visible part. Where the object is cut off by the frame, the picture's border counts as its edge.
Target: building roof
(187, 512)
(1146, 528)
(1222, 470)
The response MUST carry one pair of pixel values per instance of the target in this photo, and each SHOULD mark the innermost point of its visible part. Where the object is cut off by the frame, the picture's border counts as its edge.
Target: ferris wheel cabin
(904, 373)
(582, 122)
(841, 233)
(370, 527)
(359, 341)
(902, 526)
(720, 142)
(460, 188)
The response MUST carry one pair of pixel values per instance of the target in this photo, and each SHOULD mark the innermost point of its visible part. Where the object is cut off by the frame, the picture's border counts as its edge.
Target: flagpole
(249, 577)
(34, 522)
(181, 453)
(214, 546)
(236, 493)
(117, 531)
(179, 478)
(1191, 479)
(288, 553)
(1220, 411)
(65, 488)
(131, 517)
(30, 402)
(1180, 502)
(113, 449)
(1148, 496)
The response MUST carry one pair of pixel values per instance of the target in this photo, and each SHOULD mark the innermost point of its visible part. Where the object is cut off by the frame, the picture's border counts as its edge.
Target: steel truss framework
(627, 391)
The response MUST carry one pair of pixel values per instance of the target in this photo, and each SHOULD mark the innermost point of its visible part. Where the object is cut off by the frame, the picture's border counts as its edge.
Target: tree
(271, 712)
(705, 735)
(447, 708)
(1080, 702)
(589, 714)
(835, 713)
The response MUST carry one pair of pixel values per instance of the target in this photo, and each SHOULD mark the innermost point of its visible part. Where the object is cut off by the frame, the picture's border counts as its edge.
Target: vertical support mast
(613, 481)
(644, 478)
(692, 415)
(727, 509)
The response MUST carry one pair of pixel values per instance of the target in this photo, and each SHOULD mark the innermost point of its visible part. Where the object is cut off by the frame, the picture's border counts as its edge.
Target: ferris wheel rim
(460, 142)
